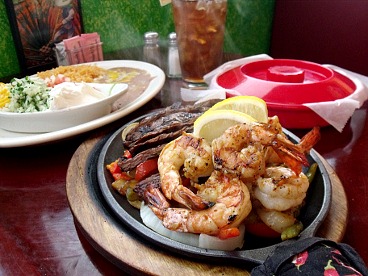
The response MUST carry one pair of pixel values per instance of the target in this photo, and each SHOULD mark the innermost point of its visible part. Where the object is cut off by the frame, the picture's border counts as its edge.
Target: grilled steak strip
(153, 181)
(163, 124)
(144, 125)
(131, 163)
(159, 121)
(163, 132)
(162, 138)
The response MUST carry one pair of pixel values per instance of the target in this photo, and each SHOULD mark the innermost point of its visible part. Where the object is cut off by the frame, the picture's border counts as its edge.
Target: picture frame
(36, 26)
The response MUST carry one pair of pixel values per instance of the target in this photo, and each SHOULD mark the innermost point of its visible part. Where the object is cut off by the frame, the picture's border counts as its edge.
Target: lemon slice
(251, 105)
(213, 123)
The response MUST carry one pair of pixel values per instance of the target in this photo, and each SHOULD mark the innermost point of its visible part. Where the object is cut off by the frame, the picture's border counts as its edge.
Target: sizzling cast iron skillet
(254, 251)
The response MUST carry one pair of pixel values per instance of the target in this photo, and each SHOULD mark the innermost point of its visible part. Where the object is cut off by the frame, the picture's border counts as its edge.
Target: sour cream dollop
(70, 94)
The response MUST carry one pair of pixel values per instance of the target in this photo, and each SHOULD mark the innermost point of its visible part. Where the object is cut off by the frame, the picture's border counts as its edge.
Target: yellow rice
(81, 73)
(4, 95)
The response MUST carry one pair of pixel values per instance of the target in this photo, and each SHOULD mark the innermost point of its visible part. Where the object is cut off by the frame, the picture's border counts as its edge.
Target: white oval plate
(54, 120)
(10, 139)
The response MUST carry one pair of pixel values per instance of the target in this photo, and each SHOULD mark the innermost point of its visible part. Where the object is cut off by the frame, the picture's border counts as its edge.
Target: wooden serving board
(131, 253)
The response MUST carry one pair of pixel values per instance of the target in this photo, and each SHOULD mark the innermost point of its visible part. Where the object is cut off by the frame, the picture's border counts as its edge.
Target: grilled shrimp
(195, 155)
(280, 188)
(232, 205)
(276, 220)
(241, 149)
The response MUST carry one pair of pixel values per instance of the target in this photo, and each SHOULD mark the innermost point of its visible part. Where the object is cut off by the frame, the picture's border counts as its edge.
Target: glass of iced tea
(200, 28)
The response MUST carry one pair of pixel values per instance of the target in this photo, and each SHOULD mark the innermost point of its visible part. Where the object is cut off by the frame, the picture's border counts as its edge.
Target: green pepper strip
(292, 231)
(311, 172)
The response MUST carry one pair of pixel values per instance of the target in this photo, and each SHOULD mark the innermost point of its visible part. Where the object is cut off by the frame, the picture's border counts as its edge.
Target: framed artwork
(37, 25)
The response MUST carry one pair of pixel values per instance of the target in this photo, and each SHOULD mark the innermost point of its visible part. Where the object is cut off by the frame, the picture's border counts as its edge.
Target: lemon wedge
(213, 123)
(251, 105)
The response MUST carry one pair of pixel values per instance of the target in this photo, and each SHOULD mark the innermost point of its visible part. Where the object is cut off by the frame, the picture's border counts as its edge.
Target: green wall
(8, 56)
(122, 23)
(249, 26)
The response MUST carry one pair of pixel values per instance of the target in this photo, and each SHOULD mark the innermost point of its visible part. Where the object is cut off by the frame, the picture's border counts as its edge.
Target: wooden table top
(39, 235)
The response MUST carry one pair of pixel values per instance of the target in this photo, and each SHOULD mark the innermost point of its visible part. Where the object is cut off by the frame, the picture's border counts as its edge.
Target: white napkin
(201, 95)
(336, 113)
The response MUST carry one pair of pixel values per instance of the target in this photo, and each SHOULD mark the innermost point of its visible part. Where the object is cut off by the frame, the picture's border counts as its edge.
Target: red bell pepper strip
(116, 171)
(262, 230)
(146, 169)
(228, 233)
(127, 154)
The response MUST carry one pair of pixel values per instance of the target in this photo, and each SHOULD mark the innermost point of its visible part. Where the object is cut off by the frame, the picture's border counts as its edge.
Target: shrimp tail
(294, 155)
(309, 140)
(154, 197)
(292, 158)
(157, 211)
(189, 199)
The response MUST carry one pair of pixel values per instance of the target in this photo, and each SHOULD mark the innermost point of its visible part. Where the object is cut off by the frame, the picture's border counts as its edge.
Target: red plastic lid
(287, 82)
(285, 74)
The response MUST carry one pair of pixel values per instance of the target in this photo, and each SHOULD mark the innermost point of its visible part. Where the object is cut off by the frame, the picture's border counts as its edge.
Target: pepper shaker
(151, 49)
(173, 64)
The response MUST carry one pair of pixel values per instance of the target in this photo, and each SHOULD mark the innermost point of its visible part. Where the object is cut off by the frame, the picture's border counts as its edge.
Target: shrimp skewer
(231, 206)
(195, 155)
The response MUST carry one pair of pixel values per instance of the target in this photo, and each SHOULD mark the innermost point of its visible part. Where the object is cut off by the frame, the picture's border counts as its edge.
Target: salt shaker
(151, 49)
(173, 65)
